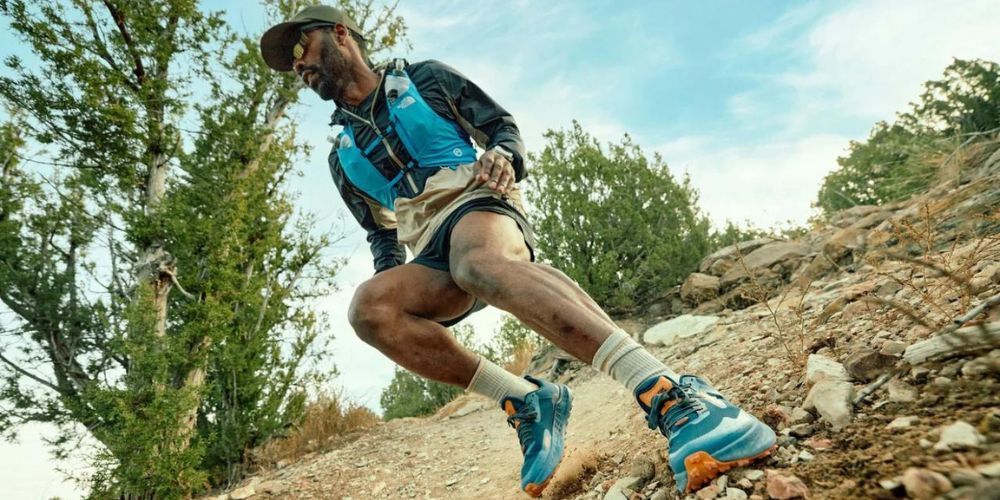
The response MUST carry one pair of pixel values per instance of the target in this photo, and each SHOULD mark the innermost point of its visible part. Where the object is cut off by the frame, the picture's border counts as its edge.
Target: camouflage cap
(276, 43)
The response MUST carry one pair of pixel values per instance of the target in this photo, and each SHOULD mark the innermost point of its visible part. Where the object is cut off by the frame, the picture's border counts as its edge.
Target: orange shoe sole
(535, 490)
(702, 467)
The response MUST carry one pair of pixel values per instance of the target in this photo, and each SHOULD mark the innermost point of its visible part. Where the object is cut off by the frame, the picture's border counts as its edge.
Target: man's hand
(496, 171)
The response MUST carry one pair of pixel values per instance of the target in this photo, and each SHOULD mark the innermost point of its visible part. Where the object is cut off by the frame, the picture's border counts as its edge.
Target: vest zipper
(409, 180)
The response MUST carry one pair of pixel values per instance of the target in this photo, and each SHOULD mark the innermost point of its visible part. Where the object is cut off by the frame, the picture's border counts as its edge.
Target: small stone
(819, 367)
(276, 488)
(451, 482)
(753, 474)
(776, 417)
(901, 422)
(959, 435)
(893, 348)
(243, 493)
(745, 483)
(819, 443)
(964, 477)
(805, 456)
(484, 480)
(982, 366)
(800, 416)
(923, 484)
(941, 381)
(832, 399)
(990, 470)
(735, 494)
(781, 486)
(801, 430)
(617, 490)
(661, 494)
(709, 492)
(643, 469)
(901, 392)
(866, 364)
(722, 482)
(919, 374)
(890, 483)
(924, 443)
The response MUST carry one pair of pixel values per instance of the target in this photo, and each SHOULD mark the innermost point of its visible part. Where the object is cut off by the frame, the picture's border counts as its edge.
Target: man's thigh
(487, 235)
(417, 290)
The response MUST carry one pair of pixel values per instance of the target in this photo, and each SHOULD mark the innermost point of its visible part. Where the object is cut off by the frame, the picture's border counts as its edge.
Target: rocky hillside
(869, 344)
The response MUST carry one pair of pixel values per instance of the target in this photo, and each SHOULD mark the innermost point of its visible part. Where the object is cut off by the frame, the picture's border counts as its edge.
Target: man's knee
(371, 311)
(480, 273)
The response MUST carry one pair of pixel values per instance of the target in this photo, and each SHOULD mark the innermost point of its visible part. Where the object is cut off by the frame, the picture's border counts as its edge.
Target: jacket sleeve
(482, 118)
(379, 222)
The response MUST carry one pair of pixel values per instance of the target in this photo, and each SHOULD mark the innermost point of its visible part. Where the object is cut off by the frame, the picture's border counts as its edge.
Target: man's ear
(341, 34)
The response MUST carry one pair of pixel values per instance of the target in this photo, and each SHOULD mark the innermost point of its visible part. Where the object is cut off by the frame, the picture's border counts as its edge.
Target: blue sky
(754, 100)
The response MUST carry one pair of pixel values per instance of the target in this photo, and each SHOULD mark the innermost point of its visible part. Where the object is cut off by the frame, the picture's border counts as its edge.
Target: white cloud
(869, 59)
(767, 184)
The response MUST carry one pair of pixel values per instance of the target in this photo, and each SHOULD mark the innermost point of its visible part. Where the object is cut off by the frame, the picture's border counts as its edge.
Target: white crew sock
(496, 383)
(628, 362)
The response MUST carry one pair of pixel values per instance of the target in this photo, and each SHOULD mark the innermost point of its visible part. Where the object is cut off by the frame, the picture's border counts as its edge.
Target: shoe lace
(526, 415)
(687, 405)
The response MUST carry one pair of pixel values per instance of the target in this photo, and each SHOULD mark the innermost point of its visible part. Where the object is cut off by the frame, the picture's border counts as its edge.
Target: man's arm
(379, 222)
(483, 119)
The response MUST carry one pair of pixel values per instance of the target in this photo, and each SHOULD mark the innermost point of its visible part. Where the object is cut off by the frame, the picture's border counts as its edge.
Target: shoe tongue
(511, 406)
(651, 387)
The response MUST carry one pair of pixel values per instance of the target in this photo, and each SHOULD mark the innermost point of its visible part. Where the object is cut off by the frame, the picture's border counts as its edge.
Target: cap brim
(276, 44)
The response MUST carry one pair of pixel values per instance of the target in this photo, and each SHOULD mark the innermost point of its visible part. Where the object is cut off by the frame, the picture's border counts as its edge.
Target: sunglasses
(299, 49)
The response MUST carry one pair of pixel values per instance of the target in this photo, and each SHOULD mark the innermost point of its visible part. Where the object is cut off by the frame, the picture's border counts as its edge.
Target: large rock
(832, 400)
(852, 215)
(765, 257)
(681, 327)
(819, 367)
(866, 364)
(698, 288)
(721, 260)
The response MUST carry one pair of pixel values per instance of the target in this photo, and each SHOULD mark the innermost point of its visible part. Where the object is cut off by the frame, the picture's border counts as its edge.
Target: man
(406, 168)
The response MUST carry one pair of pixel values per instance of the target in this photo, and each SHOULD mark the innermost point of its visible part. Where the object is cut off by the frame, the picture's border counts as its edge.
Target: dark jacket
(451, 95)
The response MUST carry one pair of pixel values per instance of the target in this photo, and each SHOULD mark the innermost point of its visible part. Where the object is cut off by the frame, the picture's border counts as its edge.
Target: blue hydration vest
(431, 141)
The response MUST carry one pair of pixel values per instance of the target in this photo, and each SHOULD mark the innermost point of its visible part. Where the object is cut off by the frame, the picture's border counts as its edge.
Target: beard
(333, 74)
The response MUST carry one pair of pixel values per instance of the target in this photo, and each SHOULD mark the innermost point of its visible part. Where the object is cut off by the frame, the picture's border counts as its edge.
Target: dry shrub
(939, 281)
(328, 421)
(520, 357)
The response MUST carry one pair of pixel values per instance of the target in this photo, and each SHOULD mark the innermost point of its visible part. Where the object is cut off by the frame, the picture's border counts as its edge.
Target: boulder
(771, 254)
(678, 328)
(721, 260)
(698, 288)
(852, 215)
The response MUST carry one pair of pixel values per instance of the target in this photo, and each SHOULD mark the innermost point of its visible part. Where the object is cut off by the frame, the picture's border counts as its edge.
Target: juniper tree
(156, 278)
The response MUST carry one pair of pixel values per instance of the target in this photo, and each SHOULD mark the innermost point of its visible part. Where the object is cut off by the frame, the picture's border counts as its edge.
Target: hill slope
(800, 329)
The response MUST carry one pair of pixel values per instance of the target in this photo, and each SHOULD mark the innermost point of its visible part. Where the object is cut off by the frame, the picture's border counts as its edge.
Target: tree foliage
(902, 158)
(158, 278)
(619, 224)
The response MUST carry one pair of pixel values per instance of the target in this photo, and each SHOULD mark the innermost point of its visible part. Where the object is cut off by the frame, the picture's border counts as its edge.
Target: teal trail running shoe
(706, 434)
(540, 420)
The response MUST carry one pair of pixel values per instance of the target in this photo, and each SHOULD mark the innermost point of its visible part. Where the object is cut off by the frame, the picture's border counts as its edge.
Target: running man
(405, 165)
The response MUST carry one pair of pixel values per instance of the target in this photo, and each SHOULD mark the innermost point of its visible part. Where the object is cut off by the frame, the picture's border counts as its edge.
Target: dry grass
(327, 422)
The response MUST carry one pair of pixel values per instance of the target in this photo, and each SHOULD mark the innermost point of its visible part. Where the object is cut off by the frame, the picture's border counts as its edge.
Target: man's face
(323, 67)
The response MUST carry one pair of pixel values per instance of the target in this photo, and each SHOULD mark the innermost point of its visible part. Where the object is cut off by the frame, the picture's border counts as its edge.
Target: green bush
(901, 159)
(619, 224)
